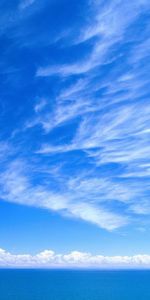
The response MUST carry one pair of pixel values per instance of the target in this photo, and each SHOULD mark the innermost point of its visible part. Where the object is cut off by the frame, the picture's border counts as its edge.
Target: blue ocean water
(74, 285)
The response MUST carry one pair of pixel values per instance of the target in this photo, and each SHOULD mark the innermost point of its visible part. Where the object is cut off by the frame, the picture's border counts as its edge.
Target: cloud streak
(91, 116)
(109, 26)
(25, 4)
(16, 187)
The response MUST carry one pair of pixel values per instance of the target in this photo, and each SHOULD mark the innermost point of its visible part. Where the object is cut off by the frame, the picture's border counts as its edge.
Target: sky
(75, 133)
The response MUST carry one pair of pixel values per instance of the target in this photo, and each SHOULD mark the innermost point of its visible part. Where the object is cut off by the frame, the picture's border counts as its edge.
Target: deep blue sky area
(74, 138)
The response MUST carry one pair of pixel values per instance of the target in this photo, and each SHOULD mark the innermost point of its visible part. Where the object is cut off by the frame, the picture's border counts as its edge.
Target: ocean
(74, 285)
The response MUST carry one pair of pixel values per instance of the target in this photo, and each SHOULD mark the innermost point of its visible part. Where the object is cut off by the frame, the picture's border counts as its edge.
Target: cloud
(74, 259)
(95, 119)
(16, 187)
(120, 84)
(40, 105)
(119, 135)
(108, 19)
(109, 26)
(25, 4)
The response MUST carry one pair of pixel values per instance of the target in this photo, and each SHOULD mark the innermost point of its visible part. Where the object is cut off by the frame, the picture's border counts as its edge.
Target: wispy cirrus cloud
(109, 26)
(93, 110)
(17, 187)
(40, 105)
(119, 85)
(25, 4)
(105, 93)
(119, 135)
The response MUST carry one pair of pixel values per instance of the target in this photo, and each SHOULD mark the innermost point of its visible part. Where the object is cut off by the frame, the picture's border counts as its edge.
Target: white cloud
(74, 259)
(25, 4)
(109, 26)
(108, 19)
(16, 187)
(140, 52)
(118, 135)
(111, 110)
(40, 105)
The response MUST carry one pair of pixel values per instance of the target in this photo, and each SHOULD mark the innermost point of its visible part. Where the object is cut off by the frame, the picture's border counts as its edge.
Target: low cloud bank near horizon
(74, 259)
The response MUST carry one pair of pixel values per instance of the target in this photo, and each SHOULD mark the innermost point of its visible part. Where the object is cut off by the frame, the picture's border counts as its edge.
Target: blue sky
(75, 126)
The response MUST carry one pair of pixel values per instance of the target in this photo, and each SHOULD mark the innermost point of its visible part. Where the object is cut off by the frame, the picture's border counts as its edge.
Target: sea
(74, 285)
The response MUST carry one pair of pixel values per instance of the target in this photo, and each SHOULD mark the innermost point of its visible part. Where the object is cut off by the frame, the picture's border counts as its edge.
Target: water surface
(74, 285)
